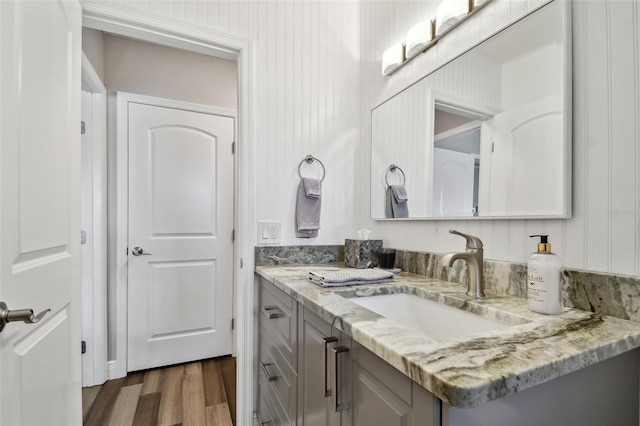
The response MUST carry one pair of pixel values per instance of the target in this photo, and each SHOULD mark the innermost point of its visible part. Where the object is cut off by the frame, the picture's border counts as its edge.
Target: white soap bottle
(543, 279)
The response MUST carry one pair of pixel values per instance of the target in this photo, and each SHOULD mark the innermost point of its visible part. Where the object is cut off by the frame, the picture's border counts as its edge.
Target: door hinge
(233, 147)
(233, 323)
(241, 263)
(83, 347)
(233, 235)
(492, 144)
(83, 237)
(82, 128)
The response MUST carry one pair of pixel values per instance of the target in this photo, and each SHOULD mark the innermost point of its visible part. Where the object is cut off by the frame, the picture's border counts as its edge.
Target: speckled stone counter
(468, 371)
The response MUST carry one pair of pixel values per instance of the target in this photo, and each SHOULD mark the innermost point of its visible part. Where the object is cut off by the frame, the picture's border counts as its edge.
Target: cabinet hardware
(271, 315)
(266, 372)
(345, 405)
(327, 340)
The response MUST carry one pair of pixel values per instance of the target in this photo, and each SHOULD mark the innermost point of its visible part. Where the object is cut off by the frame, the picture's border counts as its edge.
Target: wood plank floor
(201, 393)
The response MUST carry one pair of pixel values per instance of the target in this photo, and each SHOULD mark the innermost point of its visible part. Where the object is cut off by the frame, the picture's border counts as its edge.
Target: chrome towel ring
(310, 159)
(392, 169)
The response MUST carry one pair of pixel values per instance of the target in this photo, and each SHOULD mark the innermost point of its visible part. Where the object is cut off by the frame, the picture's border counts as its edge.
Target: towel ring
(310, 159)
(392, 169)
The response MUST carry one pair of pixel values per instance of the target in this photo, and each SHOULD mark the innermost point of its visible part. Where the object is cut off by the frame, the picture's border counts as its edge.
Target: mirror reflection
(487, 135)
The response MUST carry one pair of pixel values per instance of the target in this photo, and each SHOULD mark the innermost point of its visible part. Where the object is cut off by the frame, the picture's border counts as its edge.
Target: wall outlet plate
(269, 233)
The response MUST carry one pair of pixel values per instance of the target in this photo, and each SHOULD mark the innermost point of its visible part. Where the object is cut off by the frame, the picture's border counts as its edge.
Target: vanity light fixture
(426, 34)
(419, 37)
(450, 12)
(392, 58)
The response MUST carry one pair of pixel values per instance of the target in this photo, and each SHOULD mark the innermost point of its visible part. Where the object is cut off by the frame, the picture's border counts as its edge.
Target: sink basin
(436, 320)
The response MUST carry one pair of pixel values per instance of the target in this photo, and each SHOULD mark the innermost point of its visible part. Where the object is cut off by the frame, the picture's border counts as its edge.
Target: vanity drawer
(270, 410)
(279, 316)
(275, 369)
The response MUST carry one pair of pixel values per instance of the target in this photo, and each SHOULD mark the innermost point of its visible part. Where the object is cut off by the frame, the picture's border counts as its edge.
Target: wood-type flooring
(201, 393)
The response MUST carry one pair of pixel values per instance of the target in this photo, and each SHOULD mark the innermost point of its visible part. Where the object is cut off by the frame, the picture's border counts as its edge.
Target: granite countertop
(467, 371)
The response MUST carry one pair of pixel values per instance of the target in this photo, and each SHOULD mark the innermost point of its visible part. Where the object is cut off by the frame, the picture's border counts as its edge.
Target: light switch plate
(269, 233)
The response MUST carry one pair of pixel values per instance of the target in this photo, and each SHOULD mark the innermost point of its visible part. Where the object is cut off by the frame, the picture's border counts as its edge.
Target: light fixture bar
(474, 6)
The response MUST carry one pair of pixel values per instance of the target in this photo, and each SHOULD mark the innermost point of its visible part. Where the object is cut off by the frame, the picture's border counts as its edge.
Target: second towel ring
(310, 159)
(392, 169)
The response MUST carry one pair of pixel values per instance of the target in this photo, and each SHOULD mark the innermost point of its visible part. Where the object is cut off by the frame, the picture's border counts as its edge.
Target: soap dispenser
(543, 279)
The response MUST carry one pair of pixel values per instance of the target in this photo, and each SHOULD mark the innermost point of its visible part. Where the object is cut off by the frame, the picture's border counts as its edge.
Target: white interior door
(453, 175)
(40, 378)
(526, 159)
(181, 216)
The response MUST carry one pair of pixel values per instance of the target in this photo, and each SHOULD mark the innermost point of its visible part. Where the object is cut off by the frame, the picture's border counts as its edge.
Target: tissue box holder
(360, 253)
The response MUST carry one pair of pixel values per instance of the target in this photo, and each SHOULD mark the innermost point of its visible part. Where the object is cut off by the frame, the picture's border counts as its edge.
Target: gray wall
(148, 69)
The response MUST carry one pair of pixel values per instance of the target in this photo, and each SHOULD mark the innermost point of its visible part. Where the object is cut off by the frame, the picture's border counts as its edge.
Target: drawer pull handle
(327, 340)
(267, 311)
(345, 405)
(266, 372)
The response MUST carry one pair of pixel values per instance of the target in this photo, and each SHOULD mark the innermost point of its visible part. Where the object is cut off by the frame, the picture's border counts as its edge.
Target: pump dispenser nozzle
(543, 245)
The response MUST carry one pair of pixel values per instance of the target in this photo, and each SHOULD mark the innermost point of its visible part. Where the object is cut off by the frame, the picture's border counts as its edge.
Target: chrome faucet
(473, 258)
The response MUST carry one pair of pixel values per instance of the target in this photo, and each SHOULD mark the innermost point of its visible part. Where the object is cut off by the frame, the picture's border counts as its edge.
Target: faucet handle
(473, 242)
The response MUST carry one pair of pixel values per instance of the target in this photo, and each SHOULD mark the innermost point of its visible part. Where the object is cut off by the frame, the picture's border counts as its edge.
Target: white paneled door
(180, 294)
(40, 378)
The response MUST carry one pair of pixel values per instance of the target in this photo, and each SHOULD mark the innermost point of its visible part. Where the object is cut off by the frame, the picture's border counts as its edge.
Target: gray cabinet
(324, 394)
(311, 374)
(277, 356)
(382, 396)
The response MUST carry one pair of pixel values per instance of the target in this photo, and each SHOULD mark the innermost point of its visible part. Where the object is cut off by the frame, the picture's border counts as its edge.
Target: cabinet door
(382, 396)
(318, 389)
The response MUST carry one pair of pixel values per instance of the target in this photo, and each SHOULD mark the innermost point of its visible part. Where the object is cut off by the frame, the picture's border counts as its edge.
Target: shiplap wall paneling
(576, 228)
(306, 102)
(623, 137)
(598, 140)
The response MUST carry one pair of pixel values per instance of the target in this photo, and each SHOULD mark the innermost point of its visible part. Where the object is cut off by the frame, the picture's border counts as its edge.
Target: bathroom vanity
(323, 359)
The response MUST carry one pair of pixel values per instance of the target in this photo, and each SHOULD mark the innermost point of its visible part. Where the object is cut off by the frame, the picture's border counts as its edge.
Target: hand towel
(308, 208)
(346, 277)
(396, 202)
(312, 188)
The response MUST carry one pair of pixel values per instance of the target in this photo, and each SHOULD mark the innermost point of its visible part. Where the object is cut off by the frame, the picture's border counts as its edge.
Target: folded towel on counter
(396, 201)
(308, 208)
(346, 277)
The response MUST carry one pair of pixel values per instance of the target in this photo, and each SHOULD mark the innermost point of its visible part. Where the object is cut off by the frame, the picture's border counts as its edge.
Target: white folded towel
(346, 277)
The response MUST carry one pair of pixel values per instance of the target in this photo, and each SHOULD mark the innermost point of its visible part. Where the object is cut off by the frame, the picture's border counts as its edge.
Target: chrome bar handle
(24, 315)
(270, 378)
(327, 340)
(266, 311)
(345, 405)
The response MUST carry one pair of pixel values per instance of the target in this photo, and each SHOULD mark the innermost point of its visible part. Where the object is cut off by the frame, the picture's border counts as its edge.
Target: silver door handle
(24, 315)
(139, 251)
(340, 406)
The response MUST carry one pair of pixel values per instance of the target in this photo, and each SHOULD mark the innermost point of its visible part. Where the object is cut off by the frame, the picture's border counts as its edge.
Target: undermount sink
(438, 321)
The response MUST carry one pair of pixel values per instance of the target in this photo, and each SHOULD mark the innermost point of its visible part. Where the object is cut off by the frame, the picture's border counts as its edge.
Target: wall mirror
(488, 135)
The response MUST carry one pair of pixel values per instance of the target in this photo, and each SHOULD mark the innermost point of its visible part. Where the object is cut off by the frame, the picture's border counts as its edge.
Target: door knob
(24, 315)
(139, 251)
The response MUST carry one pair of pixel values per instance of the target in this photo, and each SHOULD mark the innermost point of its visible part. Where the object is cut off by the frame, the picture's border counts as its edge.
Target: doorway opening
(171, 34)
